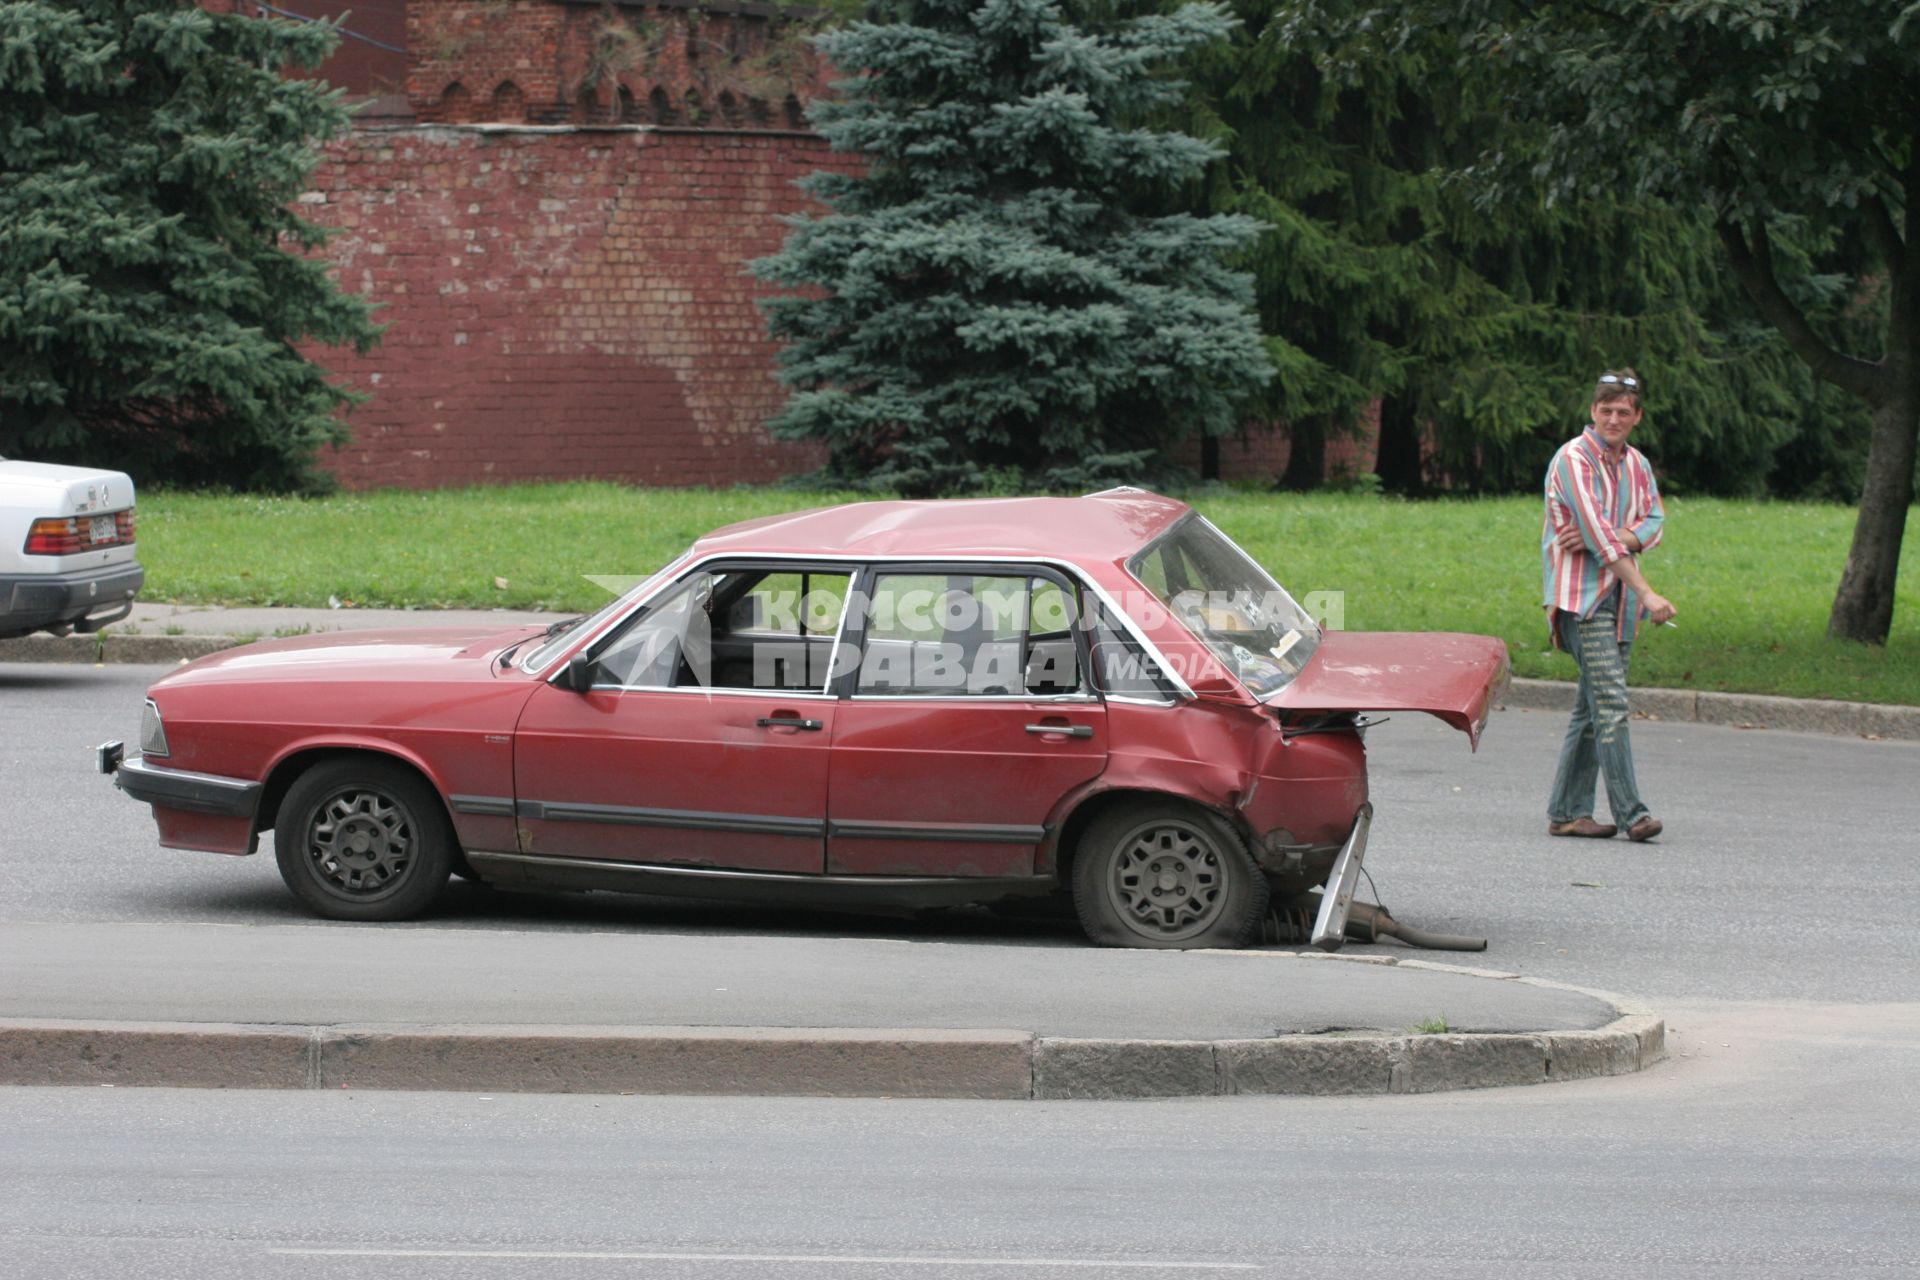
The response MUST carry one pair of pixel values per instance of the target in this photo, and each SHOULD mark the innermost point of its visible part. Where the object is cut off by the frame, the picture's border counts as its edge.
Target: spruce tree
(1385, 279)
(1009, 288)
(1790, 124)
(153, 275)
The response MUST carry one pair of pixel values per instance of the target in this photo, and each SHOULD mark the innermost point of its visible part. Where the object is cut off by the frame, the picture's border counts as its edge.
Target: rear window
(1230, 603)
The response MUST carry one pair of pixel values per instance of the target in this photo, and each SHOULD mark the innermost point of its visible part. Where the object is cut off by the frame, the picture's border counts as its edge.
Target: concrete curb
(105, 646)
(817, 1062)
(1740, 710)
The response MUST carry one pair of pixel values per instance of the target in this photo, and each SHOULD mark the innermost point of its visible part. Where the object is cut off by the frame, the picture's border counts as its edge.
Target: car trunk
(1453, 676)
(92, 498)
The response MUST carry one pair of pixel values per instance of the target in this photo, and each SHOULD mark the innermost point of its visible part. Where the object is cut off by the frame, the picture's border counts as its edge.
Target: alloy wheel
(1166, 880)
(360, 842)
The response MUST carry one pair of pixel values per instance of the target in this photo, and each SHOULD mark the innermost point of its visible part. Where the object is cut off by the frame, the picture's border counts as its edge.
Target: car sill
(750, 886)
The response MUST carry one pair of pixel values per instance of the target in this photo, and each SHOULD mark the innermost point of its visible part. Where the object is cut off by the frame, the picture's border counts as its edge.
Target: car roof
(1104, 527)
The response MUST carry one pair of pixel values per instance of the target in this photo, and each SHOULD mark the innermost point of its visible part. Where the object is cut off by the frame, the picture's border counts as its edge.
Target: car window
(666, 645)
(1227, 600)
(732, 629)
(776, 630)
(1121, 668)
(968, 635)
(563, 634)
(790, 604)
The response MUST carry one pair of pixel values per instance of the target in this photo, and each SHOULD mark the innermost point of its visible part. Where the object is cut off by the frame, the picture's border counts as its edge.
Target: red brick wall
(1261, 452)
(562, 303)
(570, 301)
(561, 61)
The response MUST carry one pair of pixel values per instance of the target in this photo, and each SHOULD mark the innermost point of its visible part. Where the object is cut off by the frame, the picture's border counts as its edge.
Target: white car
(66, 548)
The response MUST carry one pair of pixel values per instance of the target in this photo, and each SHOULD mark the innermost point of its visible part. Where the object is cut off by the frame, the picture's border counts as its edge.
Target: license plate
(102, 529)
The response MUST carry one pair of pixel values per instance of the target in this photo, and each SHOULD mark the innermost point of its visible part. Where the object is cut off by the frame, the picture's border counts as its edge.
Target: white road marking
(836, 1260)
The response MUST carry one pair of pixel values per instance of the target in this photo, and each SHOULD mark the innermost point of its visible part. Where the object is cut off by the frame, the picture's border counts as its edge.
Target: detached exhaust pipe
(1292, 922)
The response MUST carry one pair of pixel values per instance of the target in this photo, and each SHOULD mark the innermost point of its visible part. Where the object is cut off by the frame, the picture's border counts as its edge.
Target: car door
(966, 718)
(699, 743)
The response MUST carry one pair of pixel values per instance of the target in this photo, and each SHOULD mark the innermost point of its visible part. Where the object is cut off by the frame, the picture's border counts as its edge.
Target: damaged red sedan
(894, 704)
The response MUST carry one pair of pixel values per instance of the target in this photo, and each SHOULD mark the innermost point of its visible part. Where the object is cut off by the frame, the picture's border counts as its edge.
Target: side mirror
(578, 675)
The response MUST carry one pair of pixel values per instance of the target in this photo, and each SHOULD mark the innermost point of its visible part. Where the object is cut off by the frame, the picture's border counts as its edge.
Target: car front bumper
(202, 811)
(83, 601)
(207, 793)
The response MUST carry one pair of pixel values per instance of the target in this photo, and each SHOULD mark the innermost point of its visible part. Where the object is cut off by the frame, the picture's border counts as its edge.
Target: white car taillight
(70, 535)
(55, 536)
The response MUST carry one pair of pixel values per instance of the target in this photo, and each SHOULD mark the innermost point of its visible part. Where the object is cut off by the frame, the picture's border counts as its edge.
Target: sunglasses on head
(1610, 378)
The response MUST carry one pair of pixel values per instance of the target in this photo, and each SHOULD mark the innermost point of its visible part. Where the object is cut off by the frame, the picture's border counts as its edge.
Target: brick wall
(560, 256)
(1260, 452)
(562, 302)
(669, 62)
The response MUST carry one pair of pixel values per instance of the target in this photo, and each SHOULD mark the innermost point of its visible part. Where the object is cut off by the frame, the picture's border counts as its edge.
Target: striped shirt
(1601, 495)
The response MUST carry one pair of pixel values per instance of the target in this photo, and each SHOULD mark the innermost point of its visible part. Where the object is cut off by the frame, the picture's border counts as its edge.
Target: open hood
(1447, 674)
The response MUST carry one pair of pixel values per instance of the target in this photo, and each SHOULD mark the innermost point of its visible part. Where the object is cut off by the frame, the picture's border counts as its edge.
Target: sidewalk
(157, 633)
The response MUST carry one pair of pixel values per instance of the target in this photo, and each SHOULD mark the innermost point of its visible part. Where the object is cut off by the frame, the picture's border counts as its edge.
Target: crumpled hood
(1449, 674)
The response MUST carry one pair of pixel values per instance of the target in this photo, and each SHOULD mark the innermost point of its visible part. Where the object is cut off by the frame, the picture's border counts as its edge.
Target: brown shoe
(1645, 829)
(1585, 827)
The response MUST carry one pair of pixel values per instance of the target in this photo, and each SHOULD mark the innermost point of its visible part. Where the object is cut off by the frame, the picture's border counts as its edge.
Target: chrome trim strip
(760, 877)
(1336, 900)
(936, 833)
(188, 791)
(1041, 699)
(772, 695)
(680, 819)
(483, 806)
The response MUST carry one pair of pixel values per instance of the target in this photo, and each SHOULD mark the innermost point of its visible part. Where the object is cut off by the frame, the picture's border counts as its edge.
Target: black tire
(363, 839)
(1167, 875)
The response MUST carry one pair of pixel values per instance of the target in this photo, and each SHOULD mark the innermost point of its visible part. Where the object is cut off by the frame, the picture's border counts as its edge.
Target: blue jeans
(1597, 740)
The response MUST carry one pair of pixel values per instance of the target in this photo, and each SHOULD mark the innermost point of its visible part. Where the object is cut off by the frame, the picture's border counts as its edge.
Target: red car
(885, 703)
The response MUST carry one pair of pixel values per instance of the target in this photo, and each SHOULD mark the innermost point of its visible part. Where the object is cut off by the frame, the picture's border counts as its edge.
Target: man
(1603, 510)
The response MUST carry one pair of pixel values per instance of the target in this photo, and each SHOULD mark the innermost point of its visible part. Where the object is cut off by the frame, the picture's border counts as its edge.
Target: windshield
(563, 634)
(1217, 591)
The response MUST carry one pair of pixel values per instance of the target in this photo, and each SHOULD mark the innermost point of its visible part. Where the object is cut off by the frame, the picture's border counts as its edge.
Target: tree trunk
(1306, 456)
(1398, 462)
(1863, 607)
(1209, 457)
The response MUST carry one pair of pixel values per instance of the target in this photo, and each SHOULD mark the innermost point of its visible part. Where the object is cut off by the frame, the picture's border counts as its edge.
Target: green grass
(1753, 581)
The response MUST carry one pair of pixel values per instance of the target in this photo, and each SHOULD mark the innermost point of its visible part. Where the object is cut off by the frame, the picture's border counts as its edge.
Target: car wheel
(1166, 875)
(363, 840)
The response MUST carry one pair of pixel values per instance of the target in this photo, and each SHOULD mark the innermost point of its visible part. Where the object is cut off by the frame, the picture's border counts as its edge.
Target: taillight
(123, 524)
(54, 536)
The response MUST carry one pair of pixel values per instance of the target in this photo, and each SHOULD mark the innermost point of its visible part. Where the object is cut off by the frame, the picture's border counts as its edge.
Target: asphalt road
(1788, 870)
(1775, 1159)
(1769, 926)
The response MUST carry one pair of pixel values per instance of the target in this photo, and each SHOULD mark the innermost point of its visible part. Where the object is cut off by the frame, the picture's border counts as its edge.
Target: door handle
(787, 722)
(1064, 730)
